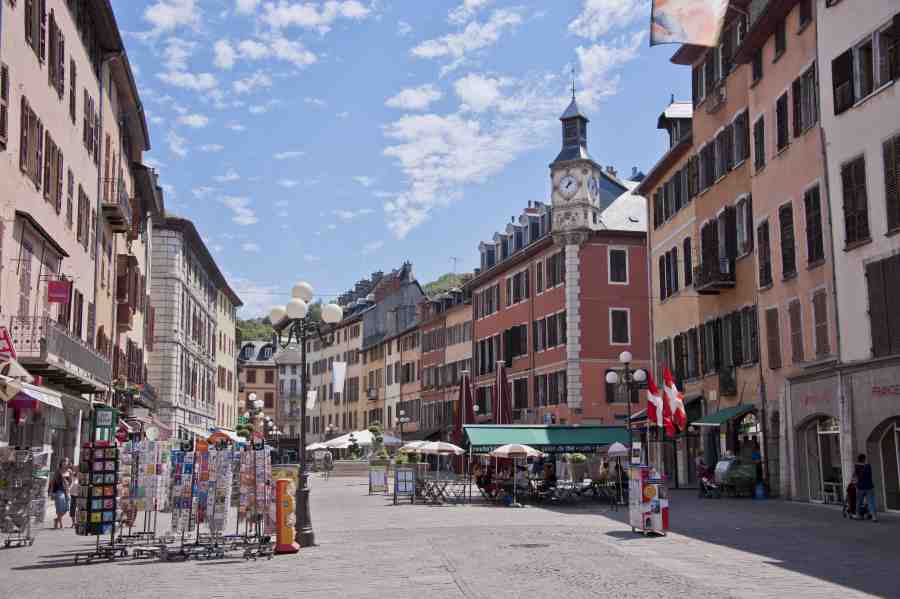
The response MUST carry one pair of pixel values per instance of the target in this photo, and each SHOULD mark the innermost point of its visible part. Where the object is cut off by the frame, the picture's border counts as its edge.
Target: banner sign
(58, 292)
(7, 349)
(695, 22)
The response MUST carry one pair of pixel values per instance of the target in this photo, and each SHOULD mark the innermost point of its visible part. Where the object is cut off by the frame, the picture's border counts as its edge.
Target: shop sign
(58, 292)
(885, 390)
(7, 349)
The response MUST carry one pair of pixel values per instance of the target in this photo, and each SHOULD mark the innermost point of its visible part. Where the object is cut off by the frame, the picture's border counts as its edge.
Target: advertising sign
(405, 484)
(7, 349)
(378, 479)
(58, 292)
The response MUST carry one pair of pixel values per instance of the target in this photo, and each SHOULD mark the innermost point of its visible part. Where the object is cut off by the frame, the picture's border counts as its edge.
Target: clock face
(568, 185)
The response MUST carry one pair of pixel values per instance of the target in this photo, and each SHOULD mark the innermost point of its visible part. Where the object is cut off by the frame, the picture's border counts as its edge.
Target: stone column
(571, 242)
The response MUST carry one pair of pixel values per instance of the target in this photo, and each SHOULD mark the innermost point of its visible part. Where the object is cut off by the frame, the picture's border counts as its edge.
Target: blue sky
(326, 140)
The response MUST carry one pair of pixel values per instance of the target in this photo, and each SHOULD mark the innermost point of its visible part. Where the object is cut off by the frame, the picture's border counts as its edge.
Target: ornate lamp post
(403, 419)
(629, 379)
(300, 328)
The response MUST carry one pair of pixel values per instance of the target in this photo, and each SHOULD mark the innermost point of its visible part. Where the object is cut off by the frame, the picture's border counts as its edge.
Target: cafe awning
(724, 415)
(484, 438)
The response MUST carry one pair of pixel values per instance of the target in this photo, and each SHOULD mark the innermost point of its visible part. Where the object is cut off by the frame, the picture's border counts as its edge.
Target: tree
(445, 282)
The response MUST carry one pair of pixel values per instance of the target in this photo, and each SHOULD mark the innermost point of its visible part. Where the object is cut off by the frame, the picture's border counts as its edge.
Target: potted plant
(578, 465)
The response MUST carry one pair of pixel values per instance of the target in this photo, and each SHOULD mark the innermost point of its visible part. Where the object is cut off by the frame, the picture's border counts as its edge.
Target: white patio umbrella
(363, 439)
(413, 447)
(515, 451)
(441, 448)
(617, 450)
(316, 447)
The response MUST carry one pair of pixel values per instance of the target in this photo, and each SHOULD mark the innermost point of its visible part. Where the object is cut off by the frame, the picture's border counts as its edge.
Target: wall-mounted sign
(58, 292)
(7, 349)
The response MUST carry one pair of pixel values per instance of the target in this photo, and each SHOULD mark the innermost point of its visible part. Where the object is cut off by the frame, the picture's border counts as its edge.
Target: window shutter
(796, 98)
(730, 232)
(820, 323)
(842, 81)
(59, 180)
(892, 291)
(49, 177)
(4, 105)
(788, 255)
(688, 264)
(753, 327)
(895, 50)
(662, 277)
(23, 137)
(795, 321)
(39, 153)
(60, 64)
(42, 20)
(701, 344)
(892, 181)
(878, 310)
(745, 124)
(675, 269)
(695, 84)
(773, 338)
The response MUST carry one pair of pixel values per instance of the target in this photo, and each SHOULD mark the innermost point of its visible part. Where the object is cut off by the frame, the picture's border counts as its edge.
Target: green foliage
(577, 458)
(244, 430)
(255, 328)
(444, 283)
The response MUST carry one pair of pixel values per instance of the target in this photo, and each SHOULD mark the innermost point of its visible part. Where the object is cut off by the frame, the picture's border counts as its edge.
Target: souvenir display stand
(256, 507)
(98, 499)
(648, 501)
(23, 492)
(143, 465)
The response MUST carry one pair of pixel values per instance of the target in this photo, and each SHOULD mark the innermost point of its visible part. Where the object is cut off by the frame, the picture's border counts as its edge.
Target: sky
(323, 141)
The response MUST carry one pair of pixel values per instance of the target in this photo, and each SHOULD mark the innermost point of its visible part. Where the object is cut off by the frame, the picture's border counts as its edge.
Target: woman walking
(59, 491)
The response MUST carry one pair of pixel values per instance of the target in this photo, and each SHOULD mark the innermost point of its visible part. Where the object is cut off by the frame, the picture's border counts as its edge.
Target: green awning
(724, 415)
(484, 438)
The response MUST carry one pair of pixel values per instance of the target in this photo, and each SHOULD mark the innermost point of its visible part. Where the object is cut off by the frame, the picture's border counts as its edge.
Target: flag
(675, 401)
(695, 22)
(656, 407)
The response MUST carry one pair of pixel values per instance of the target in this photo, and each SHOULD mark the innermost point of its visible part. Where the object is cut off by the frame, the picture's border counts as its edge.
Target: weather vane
(573, 83)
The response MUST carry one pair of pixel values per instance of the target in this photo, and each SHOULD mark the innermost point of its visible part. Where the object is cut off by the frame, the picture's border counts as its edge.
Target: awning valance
(724, 415)
(484, 438)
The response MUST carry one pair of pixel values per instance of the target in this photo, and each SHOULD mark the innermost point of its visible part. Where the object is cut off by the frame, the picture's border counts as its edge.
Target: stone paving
(368, 548)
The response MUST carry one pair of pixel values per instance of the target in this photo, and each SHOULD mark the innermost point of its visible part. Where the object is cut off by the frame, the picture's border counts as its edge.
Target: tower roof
(573, 111)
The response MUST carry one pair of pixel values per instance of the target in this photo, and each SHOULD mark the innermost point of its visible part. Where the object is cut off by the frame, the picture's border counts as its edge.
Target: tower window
(570, 132)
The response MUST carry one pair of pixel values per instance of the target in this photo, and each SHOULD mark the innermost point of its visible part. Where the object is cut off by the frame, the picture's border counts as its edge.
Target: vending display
(23, 492)
(648, 500)
(257, 505)
(218, 493)
(183, 501)
(98, 481)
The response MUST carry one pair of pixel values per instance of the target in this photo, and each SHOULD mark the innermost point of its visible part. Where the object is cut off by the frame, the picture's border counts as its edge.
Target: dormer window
(520, 239)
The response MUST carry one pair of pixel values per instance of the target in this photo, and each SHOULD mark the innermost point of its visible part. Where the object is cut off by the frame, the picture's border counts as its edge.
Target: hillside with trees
(445, 283)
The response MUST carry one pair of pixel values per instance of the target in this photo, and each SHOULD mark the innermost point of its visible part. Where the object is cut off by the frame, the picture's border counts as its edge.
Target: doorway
(890, 466)
(820, 450)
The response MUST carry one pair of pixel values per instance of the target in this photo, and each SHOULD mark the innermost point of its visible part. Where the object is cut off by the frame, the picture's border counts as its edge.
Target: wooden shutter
(59, 180)
(688, 264)
(23, 136)
(842, 81)
(788, 253)
(796, 324)
(891, 151)
(892, 292)
(737, 349)
(60, 65)
(820, 324)
(42, 23)
(797, 97)
(701, 344)
(48, 162)
(753, 327)
(878, 309)
(39, 153)
(4, 106)
(773, 338)
(730, 216)
(895, 49)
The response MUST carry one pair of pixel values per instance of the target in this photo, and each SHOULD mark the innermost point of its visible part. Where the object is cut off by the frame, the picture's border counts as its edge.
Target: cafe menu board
(98, 482)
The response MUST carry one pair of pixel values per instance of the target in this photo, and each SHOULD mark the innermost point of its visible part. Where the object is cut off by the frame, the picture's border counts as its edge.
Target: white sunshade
(617, 450)
(363, 439)
(441, 448)
(413, 447)
(515, 450)
(316, 447)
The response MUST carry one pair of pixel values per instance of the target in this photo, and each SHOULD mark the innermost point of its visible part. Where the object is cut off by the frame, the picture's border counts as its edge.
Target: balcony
(48, 350)
(117, 209)
(714, 275)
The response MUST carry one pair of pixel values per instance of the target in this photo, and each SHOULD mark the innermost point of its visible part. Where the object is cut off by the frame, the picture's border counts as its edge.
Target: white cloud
(351, 214)
(235, 126)
(415, 98)
(466, 11)
(156, 120)
(217, 248)
(245, 7)
(202, 191)
(308, 16)
(372, 246)
(166, 15)
(253, 50)
(287, 155)
(252, 83)
(249, 246)
(212, 147)
(596, 63)
(257, 297)
(310, 259)
(169, 190)
(177, 144)
(288, 183)
(343, 115)
(197, 121)
(477, 92)
(177, 52)
(243, 214)
(225, 54)
(598, 17)
(364, 181)
(229, 177)
(153, 163)
(314, 101)
(277, 47)
(403, 28)
(293, 52)
(474, 37)
(194, 81)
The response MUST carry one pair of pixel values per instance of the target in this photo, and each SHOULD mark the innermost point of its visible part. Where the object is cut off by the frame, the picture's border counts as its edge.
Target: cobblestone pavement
(369, 548)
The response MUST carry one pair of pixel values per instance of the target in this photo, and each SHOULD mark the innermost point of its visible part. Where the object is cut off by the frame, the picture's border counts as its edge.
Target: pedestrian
(59, 492)
(74, 492)
(865, 487)
(327, 464)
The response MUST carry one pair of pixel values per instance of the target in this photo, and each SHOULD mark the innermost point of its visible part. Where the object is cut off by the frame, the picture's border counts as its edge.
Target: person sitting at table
(549, 476)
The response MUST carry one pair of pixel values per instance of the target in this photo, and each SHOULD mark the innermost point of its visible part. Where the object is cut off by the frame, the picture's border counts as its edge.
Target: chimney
(611, 170)
(634, 172)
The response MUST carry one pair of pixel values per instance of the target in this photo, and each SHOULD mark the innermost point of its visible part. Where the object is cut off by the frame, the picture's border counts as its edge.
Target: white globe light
(258, 404)
(625, 357)
(640, 375)
(303, 290)
(332, 313)
(277, 314)
(612, 378)
(297, 308)
(252, 397)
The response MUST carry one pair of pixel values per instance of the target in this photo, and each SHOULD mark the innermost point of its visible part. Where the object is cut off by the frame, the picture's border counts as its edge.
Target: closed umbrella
(516, 451)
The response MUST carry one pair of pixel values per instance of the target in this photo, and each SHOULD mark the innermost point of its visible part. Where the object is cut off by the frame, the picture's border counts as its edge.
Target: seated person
(549, 476)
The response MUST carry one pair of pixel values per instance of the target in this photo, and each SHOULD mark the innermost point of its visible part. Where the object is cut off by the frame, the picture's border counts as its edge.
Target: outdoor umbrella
(413, 447)
(9, 388)
(516, 451)
(617, 450)
(316, 447)
(503, 405)
(441, 448)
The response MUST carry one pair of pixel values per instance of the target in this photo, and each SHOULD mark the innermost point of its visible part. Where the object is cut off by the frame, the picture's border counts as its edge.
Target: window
(757, 65)
(556, 270)
(782, 135)
(796, 324)
(759, 144)
(56, 61)
(741, 137)
(864, 59)
(726, 51)
(251, 376)
(539, 276)
(773, 338)
(268, 400)
(805, 12)
(764, 254)
(806, 107)
(620, 330)
(619, 393)
(887, 42)
(815, 246)
(788, 254)
(856, 209)
(780, 38)
(36, 27)
(820, 323)
(72, 93)
(688, 264)
(618, 266)
(698, 84)
(842, 82)
(4, 105)
(883, 281)
(744, 226)
(663, 287)
(891, 151)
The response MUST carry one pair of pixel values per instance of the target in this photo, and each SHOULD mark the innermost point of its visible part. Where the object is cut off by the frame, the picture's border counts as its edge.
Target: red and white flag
(675, 401)
(656, 407)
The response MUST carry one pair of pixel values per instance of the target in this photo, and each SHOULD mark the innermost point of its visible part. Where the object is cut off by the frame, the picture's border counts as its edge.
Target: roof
(628, 212)
(483, 438)
(676, 110)
(668, 160)
(573, 111)
(42, 232)
(724, 415)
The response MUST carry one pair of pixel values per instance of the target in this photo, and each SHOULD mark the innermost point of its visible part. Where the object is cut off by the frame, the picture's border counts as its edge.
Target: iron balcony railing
(117, 206)
(714, 274)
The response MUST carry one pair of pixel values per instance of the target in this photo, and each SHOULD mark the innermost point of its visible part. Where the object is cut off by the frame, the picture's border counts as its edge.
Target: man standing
(865, 487)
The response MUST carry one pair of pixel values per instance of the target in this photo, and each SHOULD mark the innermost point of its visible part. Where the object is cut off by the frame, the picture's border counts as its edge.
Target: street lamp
(629, 379)
(329, 431)
(295, 318)
(402, 420)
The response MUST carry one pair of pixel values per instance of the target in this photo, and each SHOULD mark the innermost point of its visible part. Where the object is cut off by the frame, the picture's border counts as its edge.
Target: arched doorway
(819, 452)
(890, 465)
